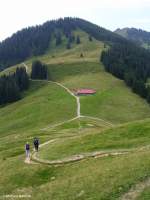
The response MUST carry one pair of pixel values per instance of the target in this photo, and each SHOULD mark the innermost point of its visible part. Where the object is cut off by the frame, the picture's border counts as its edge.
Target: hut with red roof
(85, 92)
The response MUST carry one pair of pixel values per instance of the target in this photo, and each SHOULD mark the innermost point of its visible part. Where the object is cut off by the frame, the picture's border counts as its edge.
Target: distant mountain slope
(137, 35)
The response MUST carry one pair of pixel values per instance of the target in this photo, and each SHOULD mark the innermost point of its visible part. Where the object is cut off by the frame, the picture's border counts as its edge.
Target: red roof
(86, 91)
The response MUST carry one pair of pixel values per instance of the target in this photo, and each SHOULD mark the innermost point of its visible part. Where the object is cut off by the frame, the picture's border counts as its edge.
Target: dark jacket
(36, 142)
(27, 147)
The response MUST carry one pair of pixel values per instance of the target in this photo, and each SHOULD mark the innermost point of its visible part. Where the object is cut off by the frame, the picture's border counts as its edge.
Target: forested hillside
(12, 85)
(130, 63)
(36, 40)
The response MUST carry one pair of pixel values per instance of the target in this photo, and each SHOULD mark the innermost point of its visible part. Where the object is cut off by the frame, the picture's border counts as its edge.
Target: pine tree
(90, 38)
(68, 45)
(78, 40)
(22, 78)
(58, 39)
(9, 90)
(81, 55)
(148, 94)
(39, 70)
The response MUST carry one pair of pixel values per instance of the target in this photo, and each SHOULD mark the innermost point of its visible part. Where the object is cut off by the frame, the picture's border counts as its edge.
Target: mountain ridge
(139, 36)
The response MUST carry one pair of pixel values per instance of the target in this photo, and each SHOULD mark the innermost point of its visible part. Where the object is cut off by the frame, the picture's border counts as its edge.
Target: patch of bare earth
(136, 190)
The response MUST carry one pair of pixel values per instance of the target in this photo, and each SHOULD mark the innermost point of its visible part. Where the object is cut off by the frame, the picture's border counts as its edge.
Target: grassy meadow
(126, 137)
(41, 106)
(113, 101)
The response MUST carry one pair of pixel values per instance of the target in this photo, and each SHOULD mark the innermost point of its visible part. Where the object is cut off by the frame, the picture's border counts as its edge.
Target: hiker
(27, 148)
(36, 144)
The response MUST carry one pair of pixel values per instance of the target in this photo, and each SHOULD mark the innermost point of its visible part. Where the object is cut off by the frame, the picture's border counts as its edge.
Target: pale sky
(110, 14)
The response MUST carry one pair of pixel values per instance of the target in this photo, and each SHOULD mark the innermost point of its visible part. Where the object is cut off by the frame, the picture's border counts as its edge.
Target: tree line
(131, 63)
(39, 71)
(12, 85)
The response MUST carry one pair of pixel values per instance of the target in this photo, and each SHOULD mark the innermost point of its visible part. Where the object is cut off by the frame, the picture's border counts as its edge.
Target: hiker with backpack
(36, 144)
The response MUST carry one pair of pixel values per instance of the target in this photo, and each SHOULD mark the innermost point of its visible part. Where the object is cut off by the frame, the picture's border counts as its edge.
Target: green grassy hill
(116, 121)
(113, 101)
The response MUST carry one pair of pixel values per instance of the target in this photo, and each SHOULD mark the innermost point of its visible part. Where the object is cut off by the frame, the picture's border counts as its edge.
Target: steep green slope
(41, 107)
(113, 101)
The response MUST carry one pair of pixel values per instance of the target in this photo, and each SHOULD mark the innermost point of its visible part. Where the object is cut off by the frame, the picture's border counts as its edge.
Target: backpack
(36, 142)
